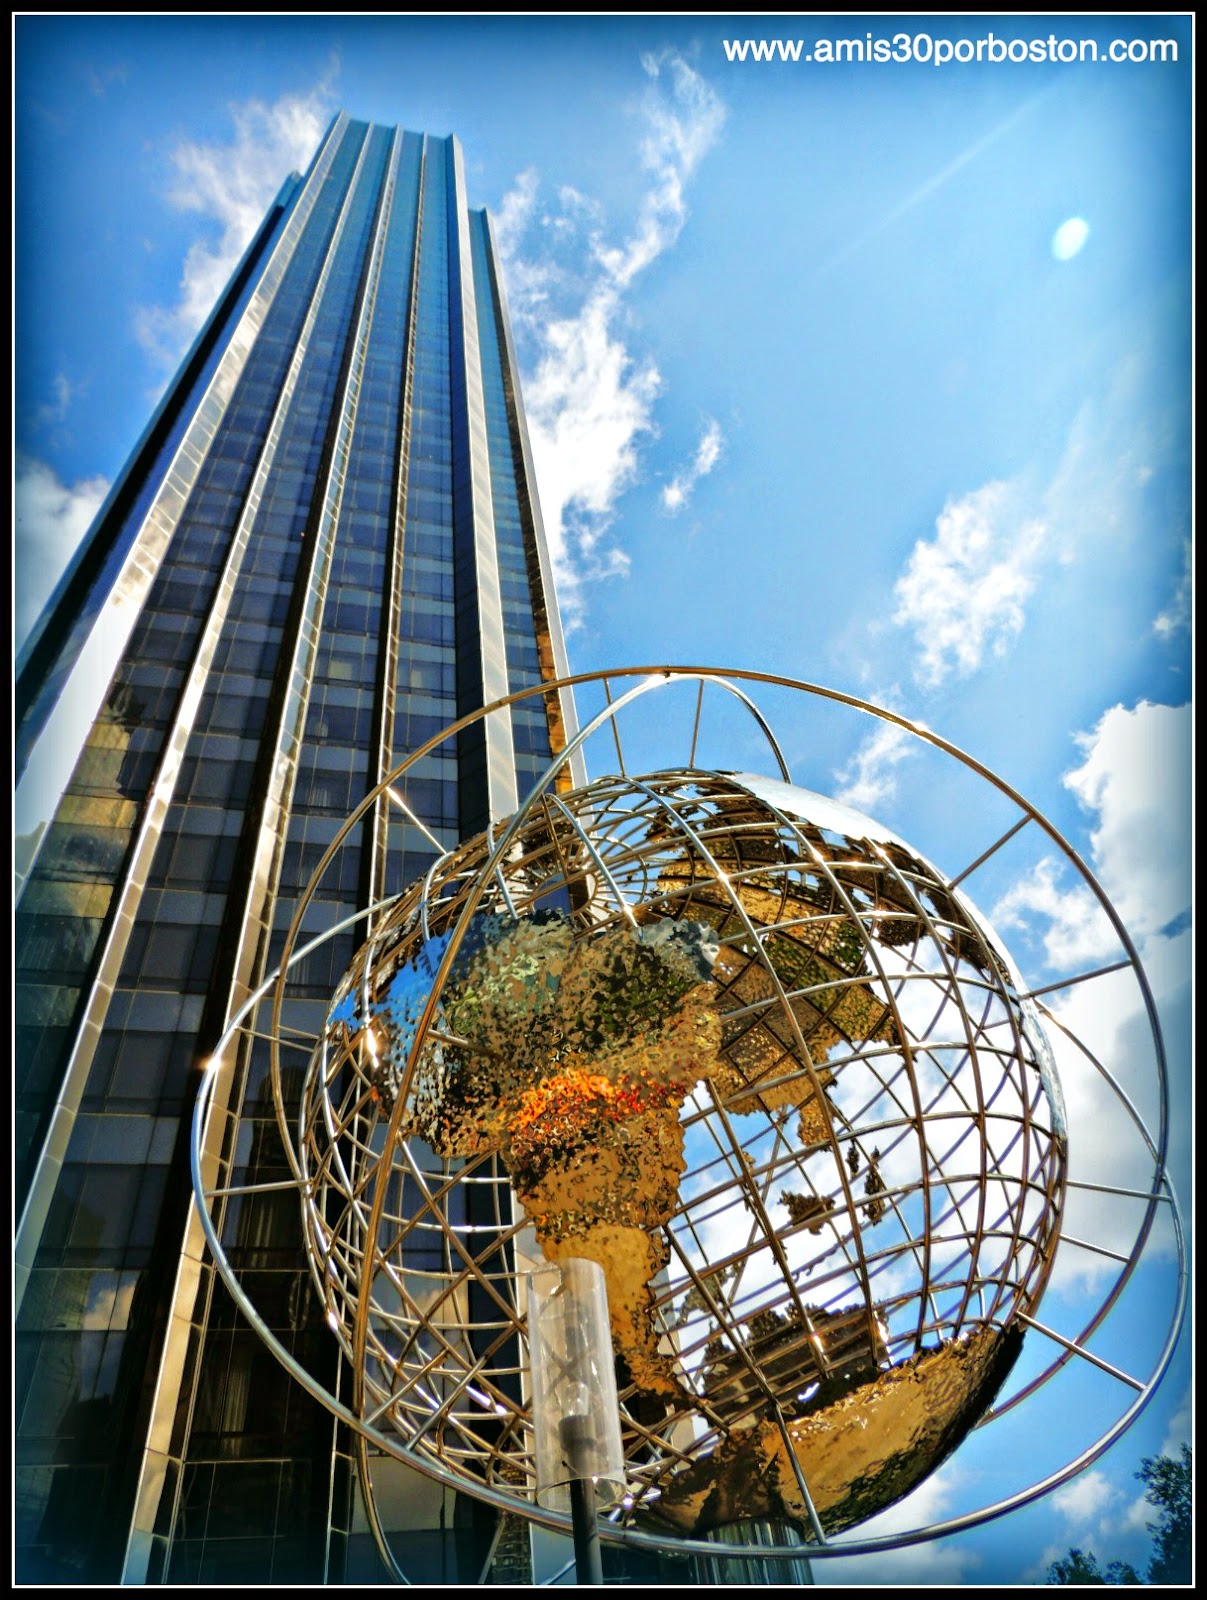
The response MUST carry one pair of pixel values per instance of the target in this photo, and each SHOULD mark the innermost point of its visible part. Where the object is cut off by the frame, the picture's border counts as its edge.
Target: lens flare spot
(1069, 239)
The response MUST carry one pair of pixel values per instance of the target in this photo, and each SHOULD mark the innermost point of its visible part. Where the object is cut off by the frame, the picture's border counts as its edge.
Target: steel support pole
(588, 1560)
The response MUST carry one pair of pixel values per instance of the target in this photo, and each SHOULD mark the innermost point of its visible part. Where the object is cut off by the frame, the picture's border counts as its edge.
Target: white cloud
(869, 778)
(1086, 1499)
(1078, 930)
(1176, 616)
(52, 517)
(1136, 776)
(1136, 779)
(1108, 1016)
(64, 393)
(588, 403)
(230, 187)
(1137, 1517)
(1178, 1432)
(962, 593)
(965, 591)
(681, 129)
(1097, 1514)
(588, 397)
(677, 493)
(512, 216)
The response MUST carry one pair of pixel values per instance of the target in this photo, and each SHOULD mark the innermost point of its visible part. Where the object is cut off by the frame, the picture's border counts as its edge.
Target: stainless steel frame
(454, 1414)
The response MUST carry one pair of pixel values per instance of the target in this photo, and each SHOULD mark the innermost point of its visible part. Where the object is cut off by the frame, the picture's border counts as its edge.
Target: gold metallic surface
(858, 1453)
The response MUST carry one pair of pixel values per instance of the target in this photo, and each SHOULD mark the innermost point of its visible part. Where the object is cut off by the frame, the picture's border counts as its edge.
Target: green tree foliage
(1168, 1490)
(1081, 1566)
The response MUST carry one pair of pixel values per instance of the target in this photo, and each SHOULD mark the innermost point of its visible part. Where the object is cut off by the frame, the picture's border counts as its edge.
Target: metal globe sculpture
(747, 1051)
(755, 1056)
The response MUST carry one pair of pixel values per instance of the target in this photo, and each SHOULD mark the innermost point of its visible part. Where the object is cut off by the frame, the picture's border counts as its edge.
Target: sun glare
(1069, 239)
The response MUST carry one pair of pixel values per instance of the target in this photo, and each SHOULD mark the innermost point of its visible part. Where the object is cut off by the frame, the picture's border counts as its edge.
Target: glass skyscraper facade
(326, 547)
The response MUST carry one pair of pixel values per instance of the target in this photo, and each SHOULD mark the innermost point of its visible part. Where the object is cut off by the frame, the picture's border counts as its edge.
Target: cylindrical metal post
(588, 1559)
(576, 1422)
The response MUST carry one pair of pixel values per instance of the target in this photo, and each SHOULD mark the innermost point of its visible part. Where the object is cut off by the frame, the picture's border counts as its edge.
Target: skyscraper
(325, 547)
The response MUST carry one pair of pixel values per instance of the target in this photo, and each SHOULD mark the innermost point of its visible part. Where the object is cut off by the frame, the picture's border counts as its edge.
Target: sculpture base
(751, 1569)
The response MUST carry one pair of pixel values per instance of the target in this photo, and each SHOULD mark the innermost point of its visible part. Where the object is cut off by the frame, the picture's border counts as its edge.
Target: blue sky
(815, 388)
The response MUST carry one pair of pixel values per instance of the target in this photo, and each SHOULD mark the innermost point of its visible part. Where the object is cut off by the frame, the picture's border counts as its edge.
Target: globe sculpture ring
(757, 1057)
